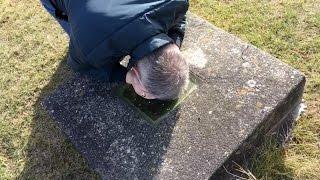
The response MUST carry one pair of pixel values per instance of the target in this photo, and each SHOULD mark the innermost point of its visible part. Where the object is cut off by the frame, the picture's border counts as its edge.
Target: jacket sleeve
(177, 31)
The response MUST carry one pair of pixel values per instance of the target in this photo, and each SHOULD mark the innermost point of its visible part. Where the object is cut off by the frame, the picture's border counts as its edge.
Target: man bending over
(102, 32)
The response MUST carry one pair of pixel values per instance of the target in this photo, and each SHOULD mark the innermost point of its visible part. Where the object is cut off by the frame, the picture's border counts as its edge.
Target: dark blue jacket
(104, 31)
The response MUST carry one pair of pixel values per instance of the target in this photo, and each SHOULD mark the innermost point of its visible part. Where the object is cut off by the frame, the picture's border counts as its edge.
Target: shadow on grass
(265, 162)
(269, 163)
(50, 155)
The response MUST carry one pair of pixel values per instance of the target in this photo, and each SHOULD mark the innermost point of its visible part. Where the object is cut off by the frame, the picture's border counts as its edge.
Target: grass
(289, 30)
(32, 50)
(32, 63)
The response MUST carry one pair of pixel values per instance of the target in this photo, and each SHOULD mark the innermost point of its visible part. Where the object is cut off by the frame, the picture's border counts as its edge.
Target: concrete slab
(243, 95)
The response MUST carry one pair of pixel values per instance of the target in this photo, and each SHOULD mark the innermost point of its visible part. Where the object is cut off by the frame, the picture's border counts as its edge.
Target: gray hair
(164, 72)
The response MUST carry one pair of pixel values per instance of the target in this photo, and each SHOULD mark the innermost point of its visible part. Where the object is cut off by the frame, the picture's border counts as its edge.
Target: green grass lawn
(32, 63)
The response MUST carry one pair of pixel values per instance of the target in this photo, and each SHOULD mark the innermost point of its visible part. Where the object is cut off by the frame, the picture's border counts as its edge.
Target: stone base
(244, 94)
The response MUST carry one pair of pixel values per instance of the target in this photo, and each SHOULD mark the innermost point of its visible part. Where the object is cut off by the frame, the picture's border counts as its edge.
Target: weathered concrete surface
(244, 94)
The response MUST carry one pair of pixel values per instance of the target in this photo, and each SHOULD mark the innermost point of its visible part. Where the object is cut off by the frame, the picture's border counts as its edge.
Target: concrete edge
(280, 116)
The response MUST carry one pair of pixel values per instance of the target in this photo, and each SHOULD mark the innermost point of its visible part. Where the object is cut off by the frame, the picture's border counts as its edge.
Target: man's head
(164, 74)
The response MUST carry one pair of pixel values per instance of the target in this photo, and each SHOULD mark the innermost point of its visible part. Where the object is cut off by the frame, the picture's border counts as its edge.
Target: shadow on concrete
(50, 155)
(135, 148)
(111, 135)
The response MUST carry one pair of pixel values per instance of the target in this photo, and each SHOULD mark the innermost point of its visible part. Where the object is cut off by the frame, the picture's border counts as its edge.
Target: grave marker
(243, 95)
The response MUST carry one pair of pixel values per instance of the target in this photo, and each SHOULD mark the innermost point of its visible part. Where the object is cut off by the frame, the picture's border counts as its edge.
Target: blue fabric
(64, 24)
(103, 31)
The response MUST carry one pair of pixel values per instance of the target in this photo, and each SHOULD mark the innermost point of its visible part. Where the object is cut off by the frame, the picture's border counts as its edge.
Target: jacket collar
(148, 46)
